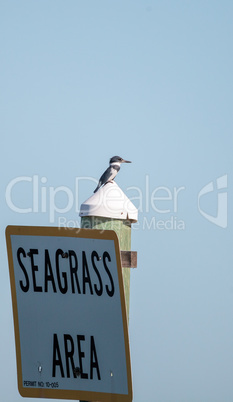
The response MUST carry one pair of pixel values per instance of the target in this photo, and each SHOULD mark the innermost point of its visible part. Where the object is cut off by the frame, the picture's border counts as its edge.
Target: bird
(111, 172)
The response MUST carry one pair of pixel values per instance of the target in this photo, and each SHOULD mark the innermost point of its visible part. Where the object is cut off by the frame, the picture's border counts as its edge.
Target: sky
(151, 81)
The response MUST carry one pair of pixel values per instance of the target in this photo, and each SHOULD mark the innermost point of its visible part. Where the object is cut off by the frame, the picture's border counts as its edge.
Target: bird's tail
(97, 188)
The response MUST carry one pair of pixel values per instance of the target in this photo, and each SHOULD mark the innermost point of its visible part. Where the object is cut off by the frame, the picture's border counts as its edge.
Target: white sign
(69, 314)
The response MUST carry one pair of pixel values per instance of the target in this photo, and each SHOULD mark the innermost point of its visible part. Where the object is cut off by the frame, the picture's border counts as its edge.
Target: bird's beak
(124, 161)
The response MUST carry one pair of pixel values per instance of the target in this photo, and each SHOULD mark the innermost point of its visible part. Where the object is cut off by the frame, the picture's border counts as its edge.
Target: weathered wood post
(110, 209)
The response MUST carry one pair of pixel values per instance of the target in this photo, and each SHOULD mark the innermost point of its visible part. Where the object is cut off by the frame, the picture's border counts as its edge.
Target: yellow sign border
(79, 233)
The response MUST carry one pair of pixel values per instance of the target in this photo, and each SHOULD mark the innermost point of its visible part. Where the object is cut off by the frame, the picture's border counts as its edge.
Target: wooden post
(110, 209)
(123, 231)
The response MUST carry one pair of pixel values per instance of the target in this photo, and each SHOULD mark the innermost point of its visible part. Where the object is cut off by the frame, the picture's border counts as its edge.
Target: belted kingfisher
(111, 172)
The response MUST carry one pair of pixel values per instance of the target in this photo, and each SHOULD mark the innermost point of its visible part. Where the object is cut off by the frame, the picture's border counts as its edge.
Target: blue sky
(152, 82)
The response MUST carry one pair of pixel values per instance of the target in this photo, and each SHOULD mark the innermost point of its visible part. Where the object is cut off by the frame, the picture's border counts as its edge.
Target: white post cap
(109, 202)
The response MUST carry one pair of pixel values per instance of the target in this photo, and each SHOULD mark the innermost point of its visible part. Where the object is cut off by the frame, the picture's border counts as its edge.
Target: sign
(69, 314)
